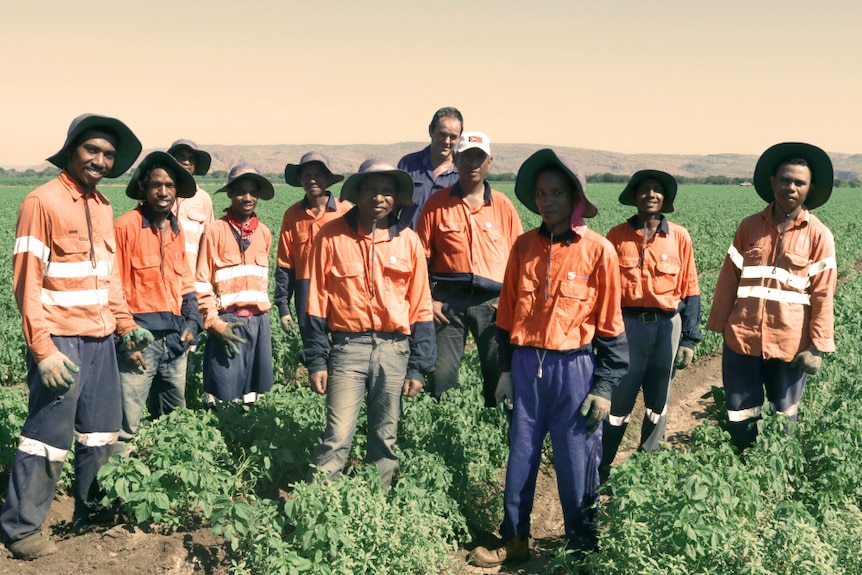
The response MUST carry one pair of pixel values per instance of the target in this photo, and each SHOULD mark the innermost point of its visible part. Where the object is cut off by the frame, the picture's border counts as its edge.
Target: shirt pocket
(146, 270)
(666, 276)
(575, 301)
(630, 274)
(69, 248)
(797, 266)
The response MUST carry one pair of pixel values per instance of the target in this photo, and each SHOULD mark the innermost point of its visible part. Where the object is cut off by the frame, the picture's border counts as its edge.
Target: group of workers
(387, 283)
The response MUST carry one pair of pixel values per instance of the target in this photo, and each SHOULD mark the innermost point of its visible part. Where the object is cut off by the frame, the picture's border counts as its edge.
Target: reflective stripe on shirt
(773, 294)
(84, 269)
(248, 270)
(30, 244)
(244, 296)
(81, 298)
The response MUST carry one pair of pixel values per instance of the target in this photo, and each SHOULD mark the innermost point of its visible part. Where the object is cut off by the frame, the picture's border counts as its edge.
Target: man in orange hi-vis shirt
(71, 302)
(773, 298)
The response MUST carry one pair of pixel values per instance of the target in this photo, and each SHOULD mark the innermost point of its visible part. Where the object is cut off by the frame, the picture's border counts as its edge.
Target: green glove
(137, 340)
(684, 355)
(596, 409)
(56, 372)
(807, 361)
(228, 340)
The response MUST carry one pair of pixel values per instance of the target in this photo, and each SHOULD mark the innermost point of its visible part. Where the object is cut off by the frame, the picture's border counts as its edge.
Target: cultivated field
(790, 505)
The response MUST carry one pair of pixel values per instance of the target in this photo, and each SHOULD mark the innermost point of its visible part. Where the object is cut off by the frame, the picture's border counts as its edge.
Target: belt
(345, 336)
(464, 289)
(647, 316)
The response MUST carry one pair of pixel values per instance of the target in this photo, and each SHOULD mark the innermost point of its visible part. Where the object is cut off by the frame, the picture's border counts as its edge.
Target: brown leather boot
(515, 550)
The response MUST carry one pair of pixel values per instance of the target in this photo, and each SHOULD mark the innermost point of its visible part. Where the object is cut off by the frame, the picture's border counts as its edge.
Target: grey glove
(228, 340)
(56, 372)
(287, 323)
(807, 360)
(504, 393)
(596, 409)
(684, 355)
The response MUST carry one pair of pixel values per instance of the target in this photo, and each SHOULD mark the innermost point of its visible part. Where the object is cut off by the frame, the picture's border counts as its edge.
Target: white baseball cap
(474, 140)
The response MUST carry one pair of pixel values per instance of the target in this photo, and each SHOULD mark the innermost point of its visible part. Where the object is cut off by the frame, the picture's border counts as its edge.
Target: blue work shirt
(418, 165)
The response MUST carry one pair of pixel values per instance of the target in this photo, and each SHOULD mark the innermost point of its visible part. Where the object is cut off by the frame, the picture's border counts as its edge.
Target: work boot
(31, 547)
(514, 550)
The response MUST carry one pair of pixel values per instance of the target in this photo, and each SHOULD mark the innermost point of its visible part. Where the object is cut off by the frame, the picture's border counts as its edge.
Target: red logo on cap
(477, 139)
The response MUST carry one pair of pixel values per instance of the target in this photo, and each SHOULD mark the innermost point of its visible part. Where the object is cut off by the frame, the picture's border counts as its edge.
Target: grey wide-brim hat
(203, 160)
(525, 182)
(184, 181)
(245, 171)
(128, 146)
(818, 162)
(375, 166)
(292, 171)
(668, 182)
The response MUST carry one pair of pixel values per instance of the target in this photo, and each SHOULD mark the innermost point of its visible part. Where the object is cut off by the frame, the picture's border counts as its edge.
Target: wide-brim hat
(668, 182)
(245, 171)
(292, 171)
(184, 181)
(525, 182)
(818, 162)
(378, 166)
(128, 146)
(203, 160)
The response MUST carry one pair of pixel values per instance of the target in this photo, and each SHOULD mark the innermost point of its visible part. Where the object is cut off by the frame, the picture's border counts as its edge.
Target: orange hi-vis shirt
(228, 277)
(194, 214)
(153, 265)
(774, 294)
(659, 274)
(66, 283)
(464, 246)
(566, 310)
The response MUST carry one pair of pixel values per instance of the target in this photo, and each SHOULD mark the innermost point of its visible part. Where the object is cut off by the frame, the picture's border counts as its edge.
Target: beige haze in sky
(666, 76)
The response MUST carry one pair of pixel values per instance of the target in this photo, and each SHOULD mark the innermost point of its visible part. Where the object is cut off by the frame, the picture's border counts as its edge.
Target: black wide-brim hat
(525, 182)
(184, 181)
(668, 182)
(379, 166)
(818, 162)
(128, 146)
(291, 171)
(203, 160)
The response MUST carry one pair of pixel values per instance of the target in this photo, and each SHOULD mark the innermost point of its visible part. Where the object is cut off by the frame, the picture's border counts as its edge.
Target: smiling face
(790, 185)
(314, 178)
(376, 198)
(160, 192)
(555, 200)
(243, 194)
(444, 138)
(649, 197)
(92, 158)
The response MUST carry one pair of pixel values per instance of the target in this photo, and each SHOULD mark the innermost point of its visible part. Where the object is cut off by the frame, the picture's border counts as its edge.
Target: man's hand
(440, 318)
(596, 409)
(187, 337)
(229, 340)
(318, 380)
(504, 393)
(287, 323)
(136, 360)
(56, 372)
(684, 355)
(807, 361)
(411, 387)
(137, 340)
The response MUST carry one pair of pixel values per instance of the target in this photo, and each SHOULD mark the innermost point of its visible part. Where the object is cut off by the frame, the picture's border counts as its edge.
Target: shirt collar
(148, 221)
(663, 227)
(457, 191)
(330, 202)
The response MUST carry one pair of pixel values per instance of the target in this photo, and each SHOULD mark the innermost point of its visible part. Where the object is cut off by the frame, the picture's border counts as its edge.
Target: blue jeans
(88, 412)
(360, 363)
(164, 373)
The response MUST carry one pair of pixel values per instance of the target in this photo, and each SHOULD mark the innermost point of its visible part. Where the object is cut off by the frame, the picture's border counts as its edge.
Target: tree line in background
(32, 177)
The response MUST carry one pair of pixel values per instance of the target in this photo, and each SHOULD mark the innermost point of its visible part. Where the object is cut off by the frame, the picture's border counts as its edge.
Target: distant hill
(508, 157)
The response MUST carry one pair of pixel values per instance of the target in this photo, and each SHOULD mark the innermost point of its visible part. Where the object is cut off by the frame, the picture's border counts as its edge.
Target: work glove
(504, 393)
(807, 361)
(596, 409)
(56, 372)
(684, 355)
(137, 340)
(287, 323)
(228, 340)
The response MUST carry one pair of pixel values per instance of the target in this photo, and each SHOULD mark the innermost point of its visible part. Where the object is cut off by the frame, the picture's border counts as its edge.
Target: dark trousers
(467, 312)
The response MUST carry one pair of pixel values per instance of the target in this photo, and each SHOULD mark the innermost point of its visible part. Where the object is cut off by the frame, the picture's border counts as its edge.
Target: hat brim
(266, 191)
(404, 186)
(525, 181)
(292, 171)
(128, 146)
(818, 162)
(203, 160)
(668, 182)
(185, 183)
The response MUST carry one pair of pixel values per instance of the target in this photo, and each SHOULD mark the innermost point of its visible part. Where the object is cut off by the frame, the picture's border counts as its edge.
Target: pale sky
(630, 76)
